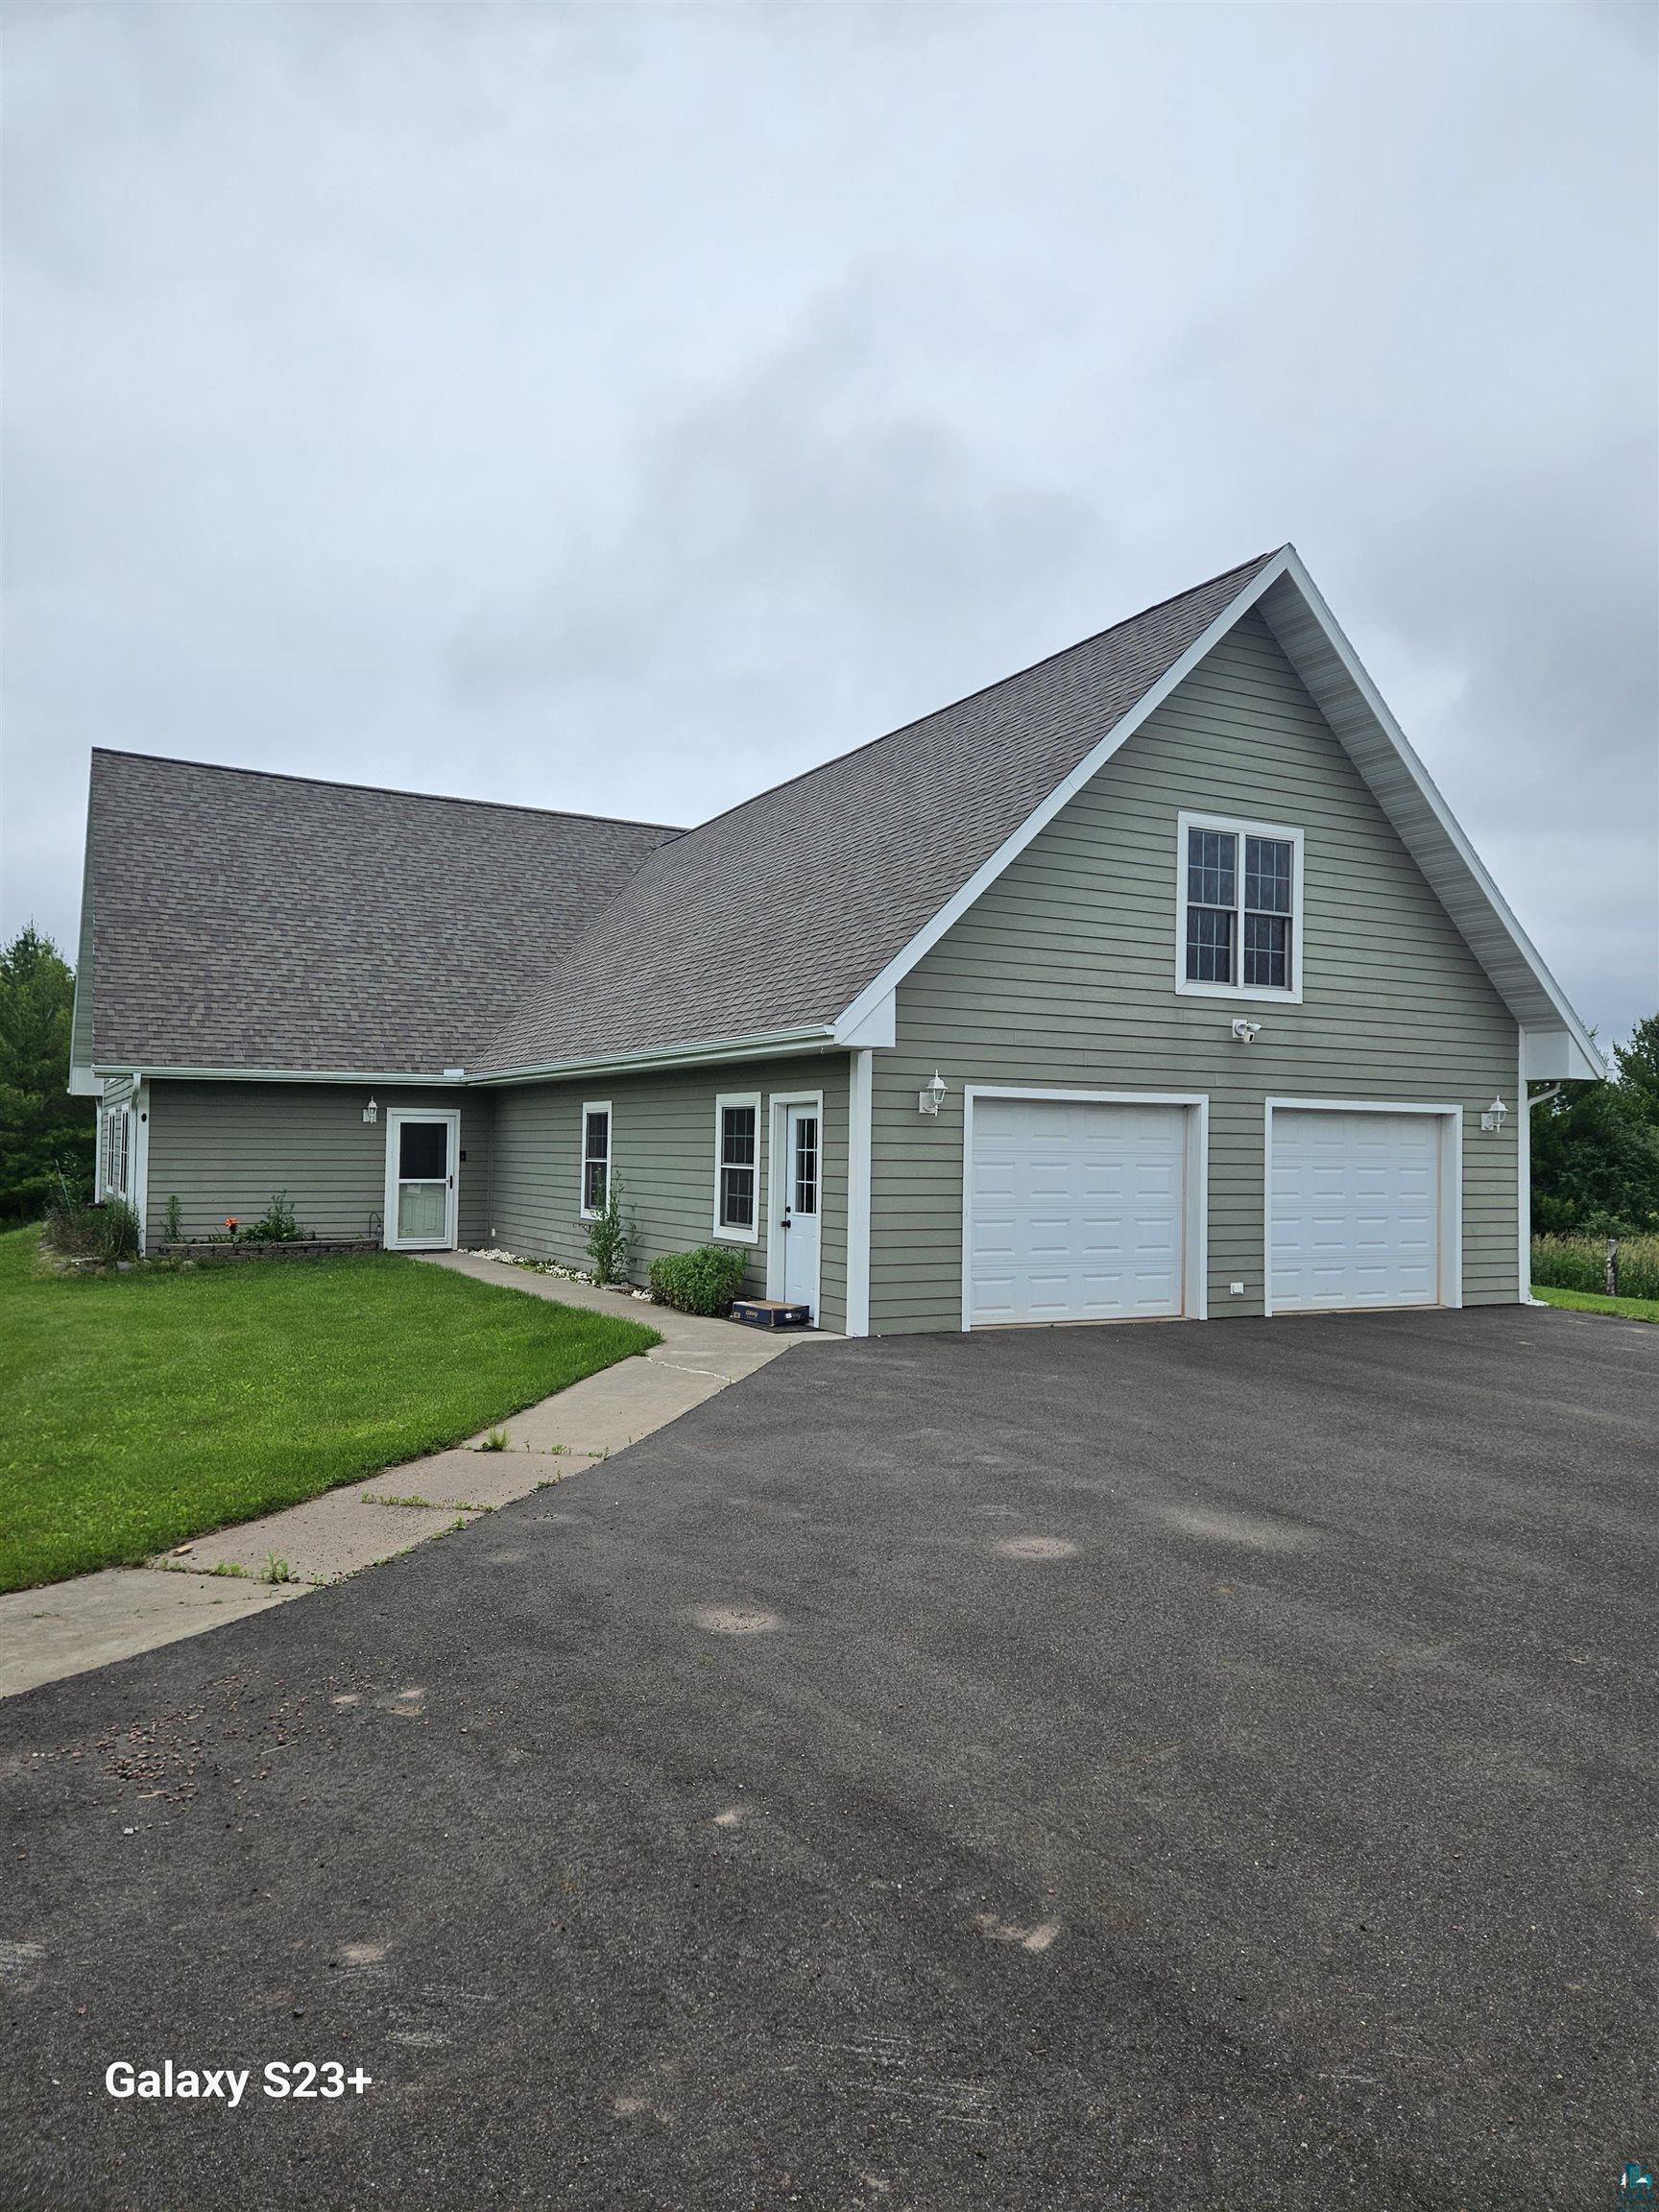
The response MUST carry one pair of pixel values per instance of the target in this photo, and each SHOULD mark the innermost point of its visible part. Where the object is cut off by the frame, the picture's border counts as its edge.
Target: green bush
(279, 1224)
(701, 1282)
(1580, 1263)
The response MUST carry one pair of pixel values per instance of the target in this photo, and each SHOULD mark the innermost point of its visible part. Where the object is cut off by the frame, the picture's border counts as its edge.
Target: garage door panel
(1353, 1209)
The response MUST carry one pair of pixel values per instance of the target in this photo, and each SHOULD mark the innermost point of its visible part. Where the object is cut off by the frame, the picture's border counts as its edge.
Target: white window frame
(779, 1149)
(1448, 1257)
(1195, 1215)
(594, 1106)
(1235, 826)
(729, 1232)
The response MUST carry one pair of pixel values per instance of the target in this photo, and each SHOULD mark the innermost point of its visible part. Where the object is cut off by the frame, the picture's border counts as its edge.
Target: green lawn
(139, 1409)
(1589, 1302)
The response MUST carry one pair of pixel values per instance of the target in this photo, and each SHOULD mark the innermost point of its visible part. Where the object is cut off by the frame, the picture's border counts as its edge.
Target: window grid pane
(1209, 945)
(806, 1165)
(1268, 951)
(1267, 876)
(1212, 867)
(595, 1162)
(737, 1158)
(737, 1197)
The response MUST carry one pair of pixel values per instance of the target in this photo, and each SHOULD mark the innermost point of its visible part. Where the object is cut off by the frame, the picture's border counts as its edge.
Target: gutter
(819, 1038)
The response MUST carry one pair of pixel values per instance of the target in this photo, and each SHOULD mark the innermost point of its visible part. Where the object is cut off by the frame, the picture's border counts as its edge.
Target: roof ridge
(980, 690)
(387, 790)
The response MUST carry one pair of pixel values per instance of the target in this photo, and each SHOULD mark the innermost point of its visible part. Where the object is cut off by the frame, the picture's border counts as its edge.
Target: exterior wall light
(1246, 1031)
(1495, 1115)
(932, 1096)
(371, 1112)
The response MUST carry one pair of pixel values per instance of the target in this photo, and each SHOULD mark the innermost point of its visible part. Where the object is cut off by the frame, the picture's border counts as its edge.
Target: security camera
(1246, 1031)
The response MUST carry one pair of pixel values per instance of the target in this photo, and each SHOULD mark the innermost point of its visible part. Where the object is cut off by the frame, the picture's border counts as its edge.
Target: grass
(1587, 1302)
(1580, 1263)
(139, 1409)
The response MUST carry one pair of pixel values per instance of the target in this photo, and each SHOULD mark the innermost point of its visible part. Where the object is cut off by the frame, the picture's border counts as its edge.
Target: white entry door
(1354, 1209)
(800, 1195)
(1076, 1211)
(422, 1146)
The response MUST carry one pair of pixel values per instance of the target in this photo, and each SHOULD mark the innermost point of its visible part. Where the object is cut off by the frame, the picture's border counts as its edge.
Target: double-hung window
(595, 1158)
(738, 1168)
(1239, 909)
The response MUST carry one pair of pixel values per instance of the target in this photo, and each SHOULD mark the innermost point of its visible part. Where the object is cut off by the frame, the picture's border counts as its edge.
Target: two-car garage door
(1086, 1210)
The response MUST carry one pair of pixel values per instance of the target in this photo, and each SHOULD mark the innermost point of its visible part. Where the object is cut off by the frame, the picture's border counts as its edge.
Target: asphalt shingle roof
(776, 914)
(244, 920)
(241, 920)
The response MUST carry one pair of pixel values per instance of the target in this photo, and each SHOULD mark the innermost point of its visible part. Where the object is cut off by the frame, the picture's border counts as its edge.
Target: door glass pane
(805, 1199)
(422, 1150)
(420, 1210)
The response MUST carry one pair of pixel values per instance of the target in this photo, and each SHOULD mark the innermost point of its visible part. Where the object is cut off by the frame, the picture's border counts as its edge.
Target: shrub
(173, 1228)
(611, 1238)
(119, 1235)
(1580, 1263)
(279, 1224)
(72, 1224)
(701, 1282)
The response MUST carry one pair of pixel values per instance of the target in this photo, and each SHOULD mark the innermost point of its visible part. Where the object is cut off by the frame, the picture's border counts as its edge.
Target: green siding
(663, 1147)
(1063, 973)
(228, 1147)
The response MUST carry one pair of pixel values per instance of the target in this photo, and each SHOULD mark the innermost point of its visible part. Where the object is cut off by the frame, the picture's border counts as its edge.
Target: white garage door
(1355, 1214)
(1076, 1211)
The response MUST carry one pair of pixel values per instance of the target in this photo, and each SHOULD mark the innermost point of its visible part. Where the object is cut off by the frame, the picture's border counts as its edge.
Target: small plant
(610, 1238)
(701, 1282)
(277, 1570)
(173, 1228)
(496, 1441)
(279, 1224)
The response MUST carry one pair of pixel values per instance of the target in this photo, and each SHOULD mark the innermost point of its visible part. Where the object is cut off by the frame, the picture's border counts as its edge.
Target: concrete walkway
(68, 1628)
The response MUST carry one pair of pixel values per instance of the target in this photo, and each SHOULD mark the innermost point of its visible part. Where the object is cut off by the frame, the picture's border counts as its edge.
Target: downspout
(1523, 1181)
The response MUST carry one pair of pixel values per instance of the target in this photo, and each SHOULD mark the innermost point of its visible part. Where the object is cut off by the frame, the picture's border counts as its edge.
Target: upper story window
(737, 1170)
(595, 1158)
(1239, 910)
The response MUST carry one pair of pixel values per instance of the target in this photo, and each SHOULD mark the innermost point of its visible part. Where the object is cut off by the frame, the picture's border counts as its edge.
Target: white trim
(594, 1106)
(778, 1149)
(139, 1163)
(724, 1233)
(1523, 1178)
(1195, 1200)
(395, 1116)
(410, 1080)
(1448, 1209)
(1327, 663)
(879, 1026)
(1235, 826)
(860, 1153)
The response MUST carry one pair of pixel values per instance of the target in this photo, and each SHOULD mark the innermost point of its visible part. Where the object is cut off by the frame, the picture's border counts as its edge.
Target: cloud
(625, 408)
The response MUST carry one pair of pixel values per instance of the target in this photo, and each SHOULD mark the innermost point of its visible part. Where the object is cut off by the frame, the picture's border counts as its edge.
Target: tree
(1595, 1148)
(1638, 1067)
(42, 1129)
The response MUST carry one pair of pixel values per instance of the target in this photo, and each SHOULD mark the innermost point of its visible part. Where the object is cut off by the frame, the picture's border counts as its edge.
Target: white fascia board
(1039, 819)
(1354, 707)
(85, 1083)
(778, 1044)
(876, 1030)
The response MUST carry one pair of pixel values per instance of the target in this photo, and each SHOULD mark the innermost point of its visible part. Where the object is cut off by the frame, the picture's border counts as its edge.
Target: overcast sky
(622, 408)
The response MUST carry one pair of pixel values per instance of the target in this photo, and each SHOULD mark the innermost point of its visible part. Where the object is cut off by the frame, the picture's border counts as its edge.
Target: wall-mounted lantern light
(932, 1096)
(371, 1112)
(1495, 1115)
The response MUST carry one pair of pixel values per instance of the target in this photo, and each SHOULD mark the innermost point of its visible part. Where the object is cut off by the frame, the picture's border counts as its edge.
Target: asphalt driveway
(1163, 1766)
